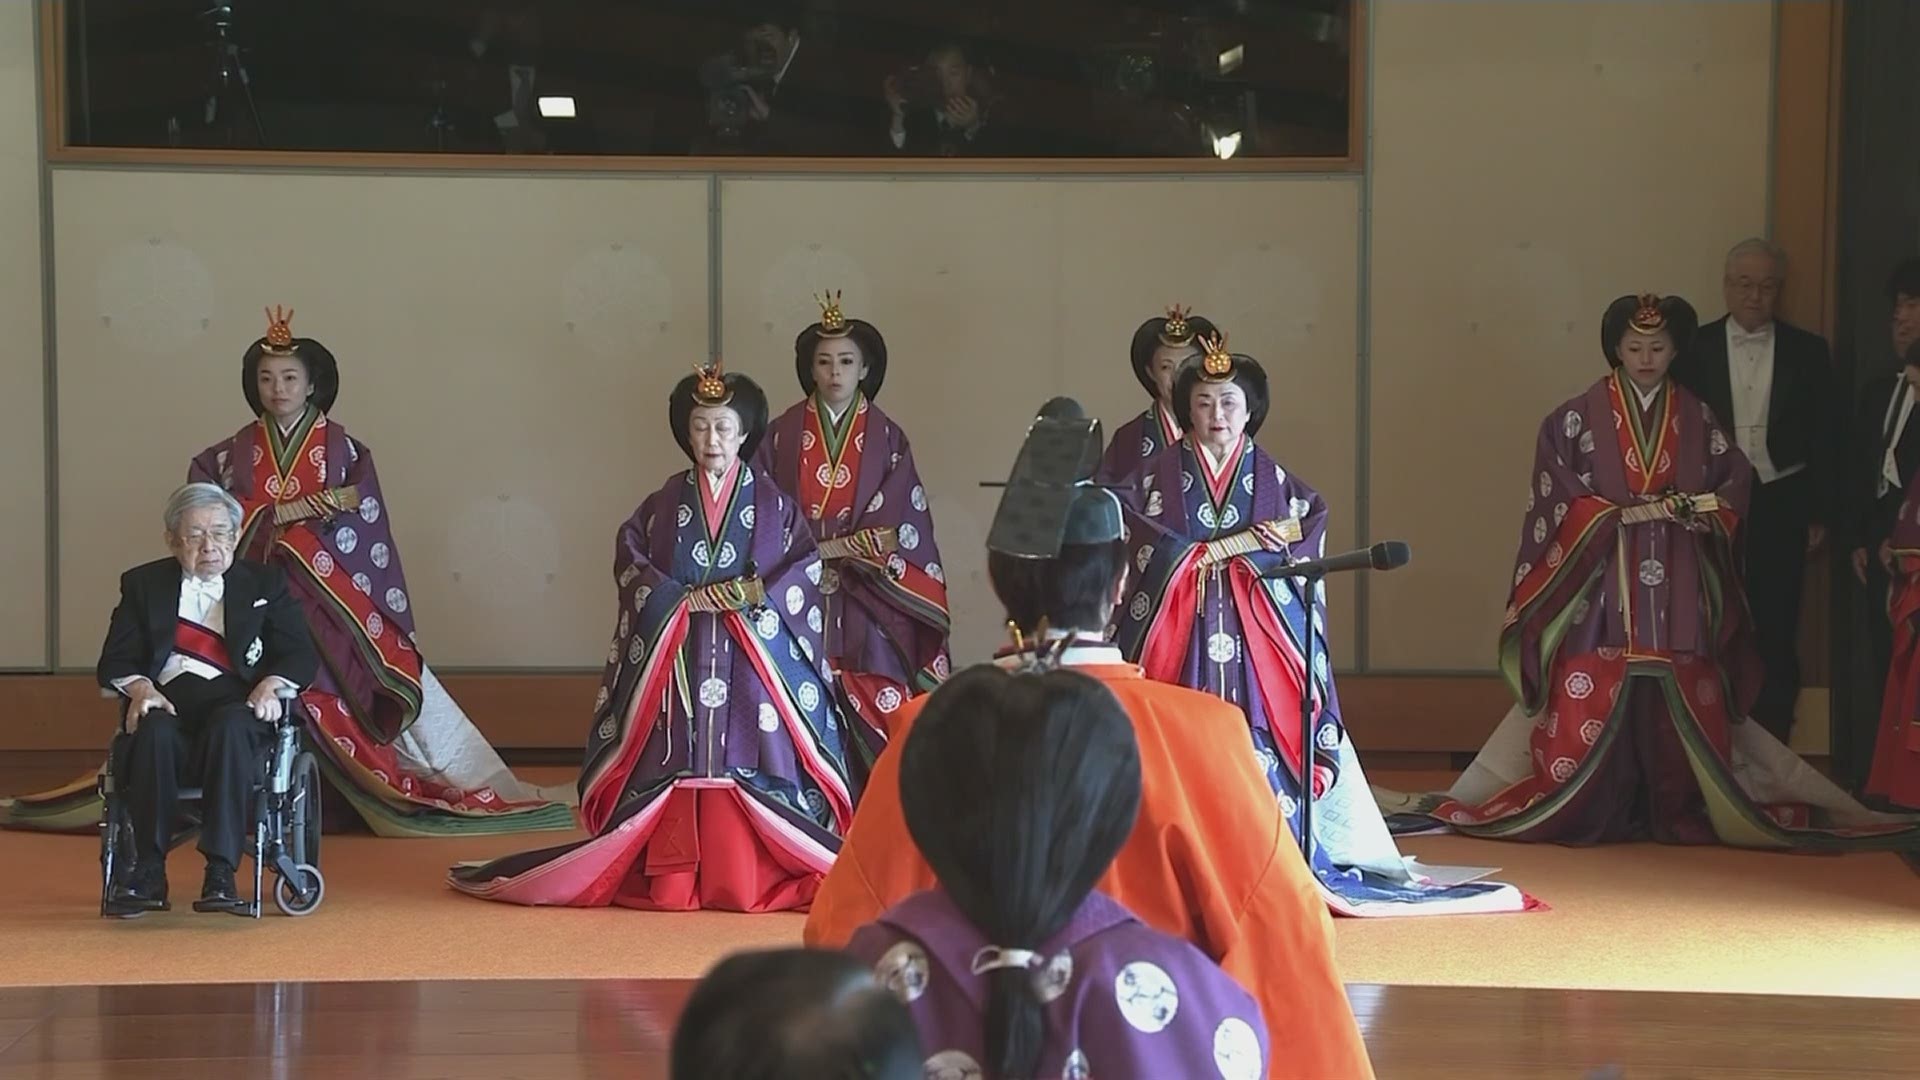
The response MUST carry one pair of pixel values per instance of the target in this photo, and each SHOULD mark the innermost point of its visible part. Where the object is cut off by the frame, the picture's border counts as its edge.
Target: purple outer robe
(892, 627)
(1121, 1000)
(730, 703)
(1244, 639)
(1132, 444)
(362, 548)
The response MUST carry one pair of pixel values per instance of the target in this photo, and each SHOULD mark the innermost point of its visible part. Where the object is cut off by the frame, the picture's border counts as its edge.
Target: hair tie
(994, 958)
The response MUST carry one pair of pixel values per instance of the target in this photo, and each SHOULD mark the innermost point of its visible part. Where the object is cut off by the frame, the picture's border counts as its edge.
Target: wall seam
(713, 266)
(1363, 357)
(49, 386)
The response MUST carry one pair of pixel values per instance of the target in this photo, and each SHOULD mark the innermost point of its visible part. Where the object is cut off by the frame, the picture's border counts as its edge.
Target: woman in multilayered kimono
(1625, 638)
(390, 739)
(1019, 790)
(1160, 346)
(852, 471)
(715, 772)
(1217, 513)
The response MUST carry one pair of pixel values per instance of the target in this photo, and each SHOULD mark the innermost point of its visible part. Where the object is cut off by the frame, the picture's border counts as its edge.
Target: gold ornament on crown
(710, 384)
(1648, 318)
(279, 339)
(1216, 363)
(1177, 331)
(833, 322)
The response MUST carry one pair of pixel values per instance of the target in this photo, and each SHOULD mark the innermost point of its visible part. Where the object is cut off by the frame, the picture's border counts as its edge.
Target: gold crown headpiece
(710, 385)
(1177, 331)
(1216, 363)
(279, 337)
(833, 322)
(1648, 318)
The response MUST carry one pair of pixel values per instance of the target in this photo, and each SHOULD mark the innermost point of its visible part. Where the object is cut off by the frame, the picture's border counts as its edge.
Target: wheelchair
(286, 819)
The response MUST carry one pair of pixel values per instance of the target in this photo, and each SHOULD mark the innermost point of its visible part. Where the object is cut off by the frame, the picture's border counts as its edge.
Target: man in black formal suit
(775, 94)
(201, 646)
(1769, 384)
(1885, 456)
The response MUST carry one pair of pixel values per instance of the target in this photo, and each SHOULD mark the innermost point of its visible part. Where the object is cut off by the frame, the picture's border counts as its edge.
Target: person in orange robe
(1210, 859)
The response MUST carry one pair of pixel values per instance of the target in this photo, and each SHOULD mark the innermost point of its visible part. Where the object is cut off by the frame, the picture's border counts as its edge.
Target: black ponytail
(1019, 790)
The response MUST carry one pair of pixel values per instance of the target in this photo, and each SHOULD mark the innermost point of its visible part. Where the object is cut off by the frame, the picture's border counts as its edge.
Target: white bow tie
(1758, 337)
(211, 589)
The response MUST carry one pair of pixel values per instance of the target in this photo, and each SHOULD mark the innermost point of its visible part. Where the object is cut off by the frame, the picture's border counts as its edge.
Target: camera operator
(771, 94)
(940, 108)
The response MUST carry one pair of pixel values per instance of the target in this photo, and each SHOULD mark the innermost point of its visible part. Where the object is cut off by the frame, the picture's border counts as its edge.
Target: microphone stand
(1306, 586)
(1306, 578)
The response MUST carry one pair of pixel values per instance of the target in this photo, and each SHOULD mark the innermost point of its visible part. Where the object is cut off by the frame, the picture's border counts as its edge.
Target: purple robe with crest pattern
(1121, 1000)
(362, 550)
(1228, 631)
(894, 626)
(1132, 445)
(731, 701)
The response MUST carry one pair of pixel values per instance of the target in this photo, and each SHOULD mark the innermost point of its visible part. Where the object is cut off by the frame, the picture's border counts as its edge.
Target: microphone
(1387, 555)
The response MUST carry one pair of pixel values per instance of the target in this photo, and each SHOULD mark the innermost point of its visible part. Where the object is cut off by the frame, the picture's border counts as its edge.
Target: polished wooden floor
(562, 1029)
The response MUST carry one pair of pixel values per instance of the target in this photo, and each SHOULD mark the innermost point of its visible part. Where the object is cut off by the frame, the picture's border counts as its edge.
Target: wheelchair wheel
(303, 822)
(302, 894)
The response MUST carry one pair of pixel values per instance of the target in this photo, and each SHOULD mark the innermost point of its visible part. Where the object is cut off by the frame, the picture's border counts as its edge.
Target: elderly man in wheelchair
(206, 651)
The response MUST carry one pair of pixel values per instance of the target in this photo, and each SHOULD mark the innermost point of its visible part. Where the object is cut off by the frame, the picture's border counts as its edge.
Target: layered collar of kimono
(717, 494)
(1648, 433)
(1217, 473)
(827, 490)
(284, 444)
(1163, 420)
(836, 426)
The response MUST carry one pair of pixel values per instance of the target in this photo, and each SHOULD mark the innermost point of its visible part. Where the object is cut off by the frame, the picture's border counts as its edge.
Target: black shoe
(145, 890)
(217, 892)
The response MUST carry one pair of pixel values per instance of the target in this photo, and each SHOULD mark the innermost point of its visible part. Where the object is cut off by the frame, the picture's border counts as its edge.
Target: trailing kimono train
(390, 739)
(1203, 616)
(1626, 643)
(849, 465)
(716, 761)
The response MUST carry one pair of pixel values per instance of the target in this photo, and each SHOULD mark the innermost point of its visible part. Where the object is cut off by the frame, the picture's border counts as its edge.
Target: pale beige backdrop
(23, 481)
(1532, 161)
(502, 344)
(995, 295)
(507, 341)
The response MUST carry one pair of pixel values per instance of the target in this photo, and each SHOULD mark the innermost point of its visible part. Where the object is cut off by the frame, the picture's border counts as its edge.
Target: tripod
(229, 73)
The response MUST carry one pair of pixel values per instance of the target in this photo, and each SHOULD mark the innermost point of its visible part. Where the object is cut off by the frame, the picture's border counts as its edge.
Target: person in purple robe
(1626, 641)
(1019, 789)
(1216, 515)
(1160, 346)
(793, 1014)
(715, 772)
(852, 471)
(391, 741)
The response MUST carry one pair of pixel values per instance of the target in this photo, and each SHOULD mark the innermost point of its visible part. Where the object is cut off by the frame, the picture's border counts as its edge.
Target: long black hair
(1071, 591)
(322, 371)
(1019, 790)
(794, 1014)
(748, 402)
(873, 353)
(1247, 374)
(1150, 336)
(1678, 320)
